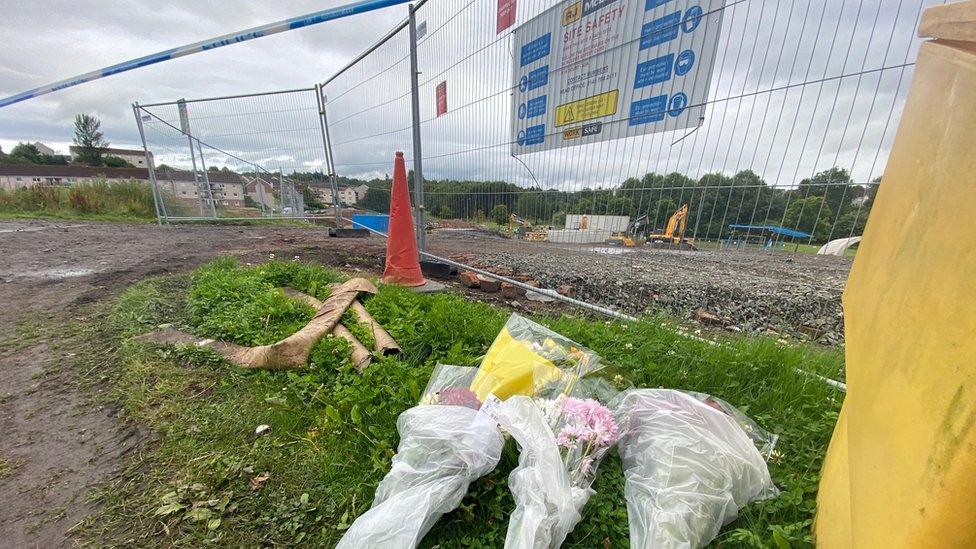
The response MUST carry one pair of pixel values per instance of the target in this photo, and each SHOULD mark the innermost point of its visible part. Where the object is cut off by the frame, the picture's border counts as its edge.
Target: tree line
(90, 147)
(827, 205)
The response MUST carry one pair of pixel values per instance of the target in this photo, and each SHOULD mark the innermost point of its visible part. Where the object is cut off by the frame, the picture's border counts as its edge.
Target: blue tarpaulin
(774, 229)
(376, 222)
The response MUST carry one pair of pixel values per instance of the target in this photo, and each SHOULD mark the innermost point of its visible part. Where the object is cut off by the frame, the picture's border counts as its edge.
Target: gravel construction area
(793, 294)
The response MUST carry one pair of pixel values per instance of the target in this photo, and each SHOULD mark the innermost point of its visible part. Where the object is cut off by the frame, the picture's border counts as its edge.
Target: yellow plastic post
(901, 467)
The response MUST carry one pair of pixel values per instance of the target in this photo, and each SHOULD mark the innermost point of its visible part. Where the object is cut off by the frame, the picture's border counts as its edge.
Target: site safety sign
(594, 70)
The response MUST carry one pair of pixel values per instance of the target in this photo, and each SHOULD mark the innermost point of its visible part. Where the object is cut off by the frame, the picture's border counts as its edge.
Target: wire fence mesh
(778, 147)
(800, 113)
(239, 157)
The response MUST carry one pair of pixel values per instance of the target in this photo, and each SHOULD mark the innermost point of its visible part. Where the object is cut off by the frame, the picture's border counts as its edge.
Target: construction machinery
(523, 230)
(629, 237)
(673, 236)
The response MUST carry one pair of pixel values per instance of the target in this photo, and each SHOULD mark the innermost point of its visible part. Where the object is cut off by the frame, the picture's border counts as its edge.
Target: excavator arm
(677, 223)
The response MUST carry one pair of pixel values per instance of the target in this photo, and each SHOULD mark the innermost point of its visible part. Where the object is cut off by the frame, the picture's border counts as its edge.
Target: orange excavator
(673, 236)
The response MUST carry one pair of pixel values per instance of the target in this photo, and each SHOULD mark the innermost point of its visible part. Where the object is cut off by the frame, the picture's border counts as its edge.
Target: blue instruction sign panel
(648, 110)
(536, 107)
(536, 49)
(595, 70)
(538, 77)
(661, 30)
(655, 71)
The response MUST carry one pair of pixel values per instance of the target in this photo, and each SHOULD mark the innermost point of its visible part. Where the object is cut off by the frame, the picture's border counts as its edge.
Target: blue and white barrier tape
(197, 47)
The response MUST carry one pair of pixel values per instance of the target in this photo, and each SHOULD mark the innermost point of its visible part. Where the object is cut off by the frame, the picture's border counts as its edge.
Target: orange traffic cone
(402, 259)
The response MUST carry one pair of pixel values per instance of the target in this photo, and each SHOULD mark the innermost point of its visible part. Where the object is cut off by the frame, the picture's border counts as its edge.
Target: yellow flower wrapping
(512, 368)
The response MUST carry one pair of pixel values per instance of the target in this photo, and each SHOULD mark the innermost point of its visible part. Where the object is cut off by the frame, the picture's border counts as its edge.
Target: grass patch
(99, 200)
(7, 467)
(208, 479)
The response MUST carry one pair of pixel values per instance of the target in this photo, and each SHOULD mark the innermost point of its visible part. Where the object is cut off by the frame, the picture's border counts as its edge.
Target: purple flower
(459, 396)
(587, 421)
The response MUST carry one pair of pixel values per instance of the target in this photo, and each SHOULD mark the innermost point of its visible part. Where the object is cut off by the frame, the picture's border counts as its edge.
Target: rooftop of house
(110, 151)
(74, 170)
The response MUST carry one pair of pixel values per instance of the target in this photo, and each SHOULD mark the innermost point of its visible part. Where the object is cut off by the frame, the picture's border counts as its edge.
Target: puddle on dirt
(60, 273)
(22, 228)
(611, 250)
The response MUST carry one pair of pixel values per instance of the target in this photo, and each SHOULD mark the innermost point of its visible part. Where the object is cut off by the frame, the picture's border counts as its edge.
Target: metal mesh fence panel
(240, 157)
(777, 148)
(802, 106)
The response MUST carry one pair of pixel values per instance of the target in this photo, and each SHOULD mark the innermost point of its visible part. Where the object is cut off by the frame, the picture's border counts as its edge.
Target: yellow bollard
(901, 467)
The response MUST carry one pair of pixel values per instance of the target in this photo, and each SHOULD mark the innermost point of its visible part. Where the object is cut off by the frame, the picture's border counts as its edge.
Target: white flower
(551, 408)
(270, 256)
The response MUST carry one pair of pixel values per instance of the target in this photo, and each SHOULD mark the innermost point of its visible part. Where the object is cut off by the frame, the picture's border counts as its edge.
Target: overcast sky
(764, 45)
(46, 41)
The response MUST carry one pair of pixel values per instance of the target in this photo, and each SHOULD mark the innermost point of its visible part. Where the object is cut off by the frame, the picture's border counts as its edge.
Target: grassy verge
(124, 201)
(783, 247)
(207, 479)
(71, 216)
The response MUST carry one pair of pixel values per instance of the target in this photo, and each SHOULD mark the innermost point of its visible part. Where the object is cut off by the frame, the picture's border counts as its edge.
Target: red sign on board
(442, 98)
(506, 15)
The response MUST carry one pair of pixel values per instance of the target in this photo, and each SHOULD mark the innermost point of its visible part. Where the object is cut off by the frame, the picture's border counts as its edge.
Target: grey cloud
(784, 135)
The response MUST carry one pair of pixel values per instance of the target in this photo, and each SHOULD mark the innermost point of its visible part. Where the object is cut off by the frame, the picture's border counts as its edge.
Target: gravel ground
(793, 294)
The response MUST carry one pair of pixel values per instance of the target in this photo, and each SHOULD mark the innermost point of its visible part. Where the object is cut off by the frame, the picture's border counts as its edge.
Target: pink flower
(587, 421)
(459, 396)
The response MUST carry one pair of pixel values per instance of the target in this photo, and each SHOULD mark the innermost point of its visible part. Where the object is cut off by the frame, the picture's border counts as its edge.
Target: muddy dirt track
(54, 446)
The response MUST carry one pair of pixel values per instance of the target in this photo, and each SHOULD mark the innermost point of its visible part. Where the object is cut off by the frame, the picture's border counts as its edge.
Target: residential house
(44, 149)
(227, 187)
(136, 157)
(260, 191)
(348, 196)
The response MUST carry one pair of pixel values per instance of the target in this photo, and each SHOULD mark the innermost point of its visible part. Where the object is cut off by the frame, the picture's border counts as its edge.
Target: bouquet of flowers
(445, 444)
(531, 360)
(690, 462)
(562, 442)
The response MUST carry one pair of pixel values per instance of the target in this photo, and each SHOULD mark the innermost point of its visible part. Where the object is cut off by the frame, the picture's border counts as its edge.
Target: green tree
(532, 204)
(311, 200)
(89, 139)
(850, 223)
(559, 220)
(810, 215)
(661, 212)
(377, 198)
(834, 185)
(115, 162)
(26, 151)
(499, 214)
(620, 205)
